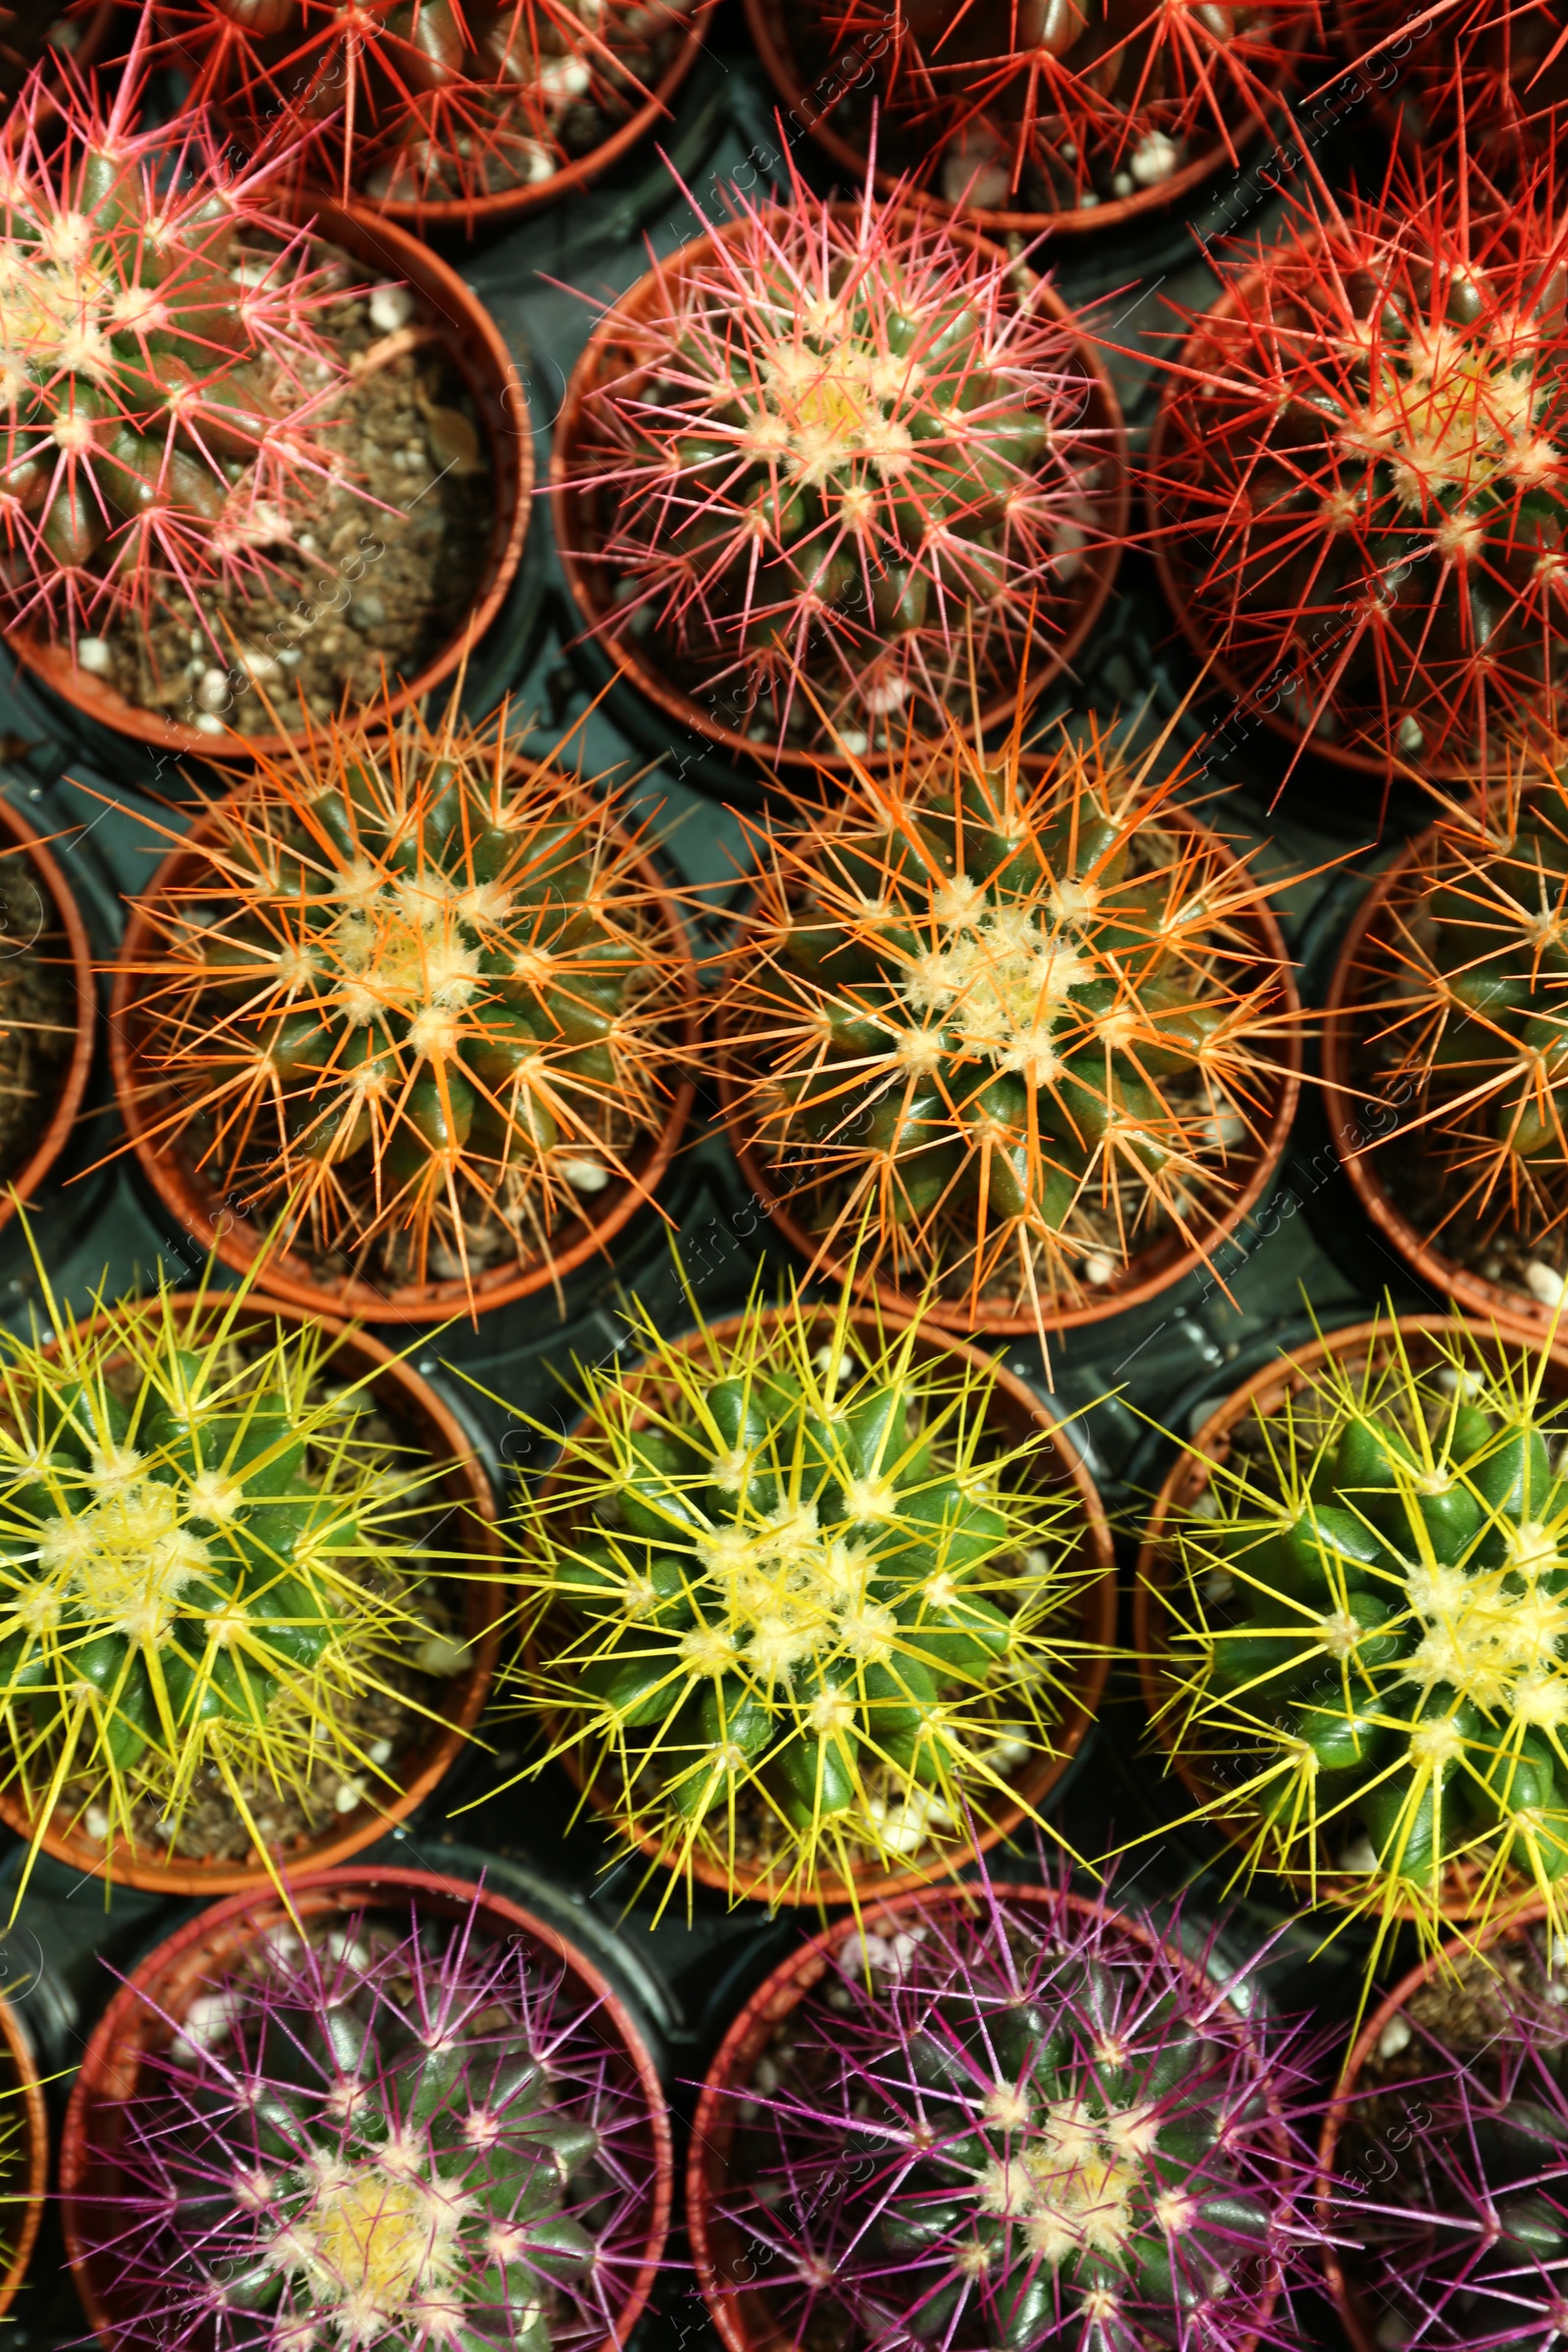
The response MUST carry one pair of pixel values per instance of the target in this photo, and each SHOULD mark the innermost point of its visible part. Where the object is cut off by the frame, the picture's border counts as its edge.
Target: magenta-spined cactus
(1448, 2196)
(370, 2137)
(165, 391)
(1011, 2118)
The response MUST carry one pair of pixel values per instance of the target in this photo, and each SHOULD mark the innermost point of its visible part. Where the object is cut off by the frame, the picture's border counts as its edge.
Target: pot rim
(441, 1741)
(782, 1992)
(1515, 1313)
(955, 1314)
(1188, 1477)
(1032, 1780)
(74, 1071)
(337, 1889)
(474, 335)
(35, 2137)
(780, 62)
(1347, 2302)
(566, 495)
(242, 1246)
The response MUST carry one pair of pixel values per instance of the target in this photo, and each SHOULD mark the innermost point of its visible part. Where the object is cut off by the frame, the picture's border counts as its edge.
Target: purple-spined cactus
(1019, 2126)
(1450, 2193)
(372, 2137)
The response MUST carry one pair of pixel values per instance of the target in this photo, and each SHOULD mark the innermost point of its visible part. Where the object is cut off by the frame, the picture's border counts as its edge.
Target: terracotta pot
(769, 22)
(1513, 1311)
(504, 206)
(1178, 594)
(72, 1078)
(470, 340)
(1354, 2314)
(433, 1430)
(746, 2321)
(1153, 1269)
(197, 1202)
(177, 1971)
(611, 353)
(22, 2109)
(1021, 1415)
(1286, 1376)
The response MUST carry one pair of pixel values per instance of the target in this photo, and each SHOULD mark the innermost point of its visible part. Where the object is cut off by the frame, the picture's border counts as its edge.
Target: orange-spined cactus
(1499, 74)
(165, 393)
(1010, 1016)
(415, 986)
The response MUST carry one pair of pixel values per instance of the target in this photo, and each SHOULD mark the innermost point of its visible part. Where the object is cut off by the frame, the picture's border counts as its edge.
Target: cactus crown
(372, 2138)
(1462, 2239)
(163, 386)
(1463, 1006)
(794, 1597)
(1044, 106)
(1027, 2127)
(847, 474)
(417, 987)
(204, 1567)
(1000, 1012)
(1374, 430)
(1374, 1600)
(434, 102)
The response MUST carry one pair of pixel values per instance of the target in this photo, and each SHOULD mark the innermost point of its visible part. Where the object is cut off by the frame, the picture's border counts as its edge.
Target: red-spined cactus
(1501, 72)
(1009, 2118)
(835, 465)
(1030, 108)
(1359, 482)
(429, 102)
(165, 393)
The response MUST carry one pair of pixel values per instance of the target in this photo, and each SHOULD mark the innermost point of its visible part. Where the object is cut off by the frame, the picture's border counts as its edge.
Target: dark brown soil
(38, 1012)
(381, 577)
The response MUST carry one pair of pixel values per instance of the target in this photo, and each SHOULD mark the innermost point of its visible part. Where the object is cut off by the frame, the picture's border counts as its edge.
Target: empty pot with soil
(399, 2108)
(290, 458)
(410, 1016)
(818, 1605)
(246, 1616)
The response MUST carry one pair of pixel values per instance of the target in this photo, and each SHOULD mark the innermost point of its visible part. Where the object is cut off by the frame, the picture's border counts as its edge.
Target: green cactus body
(201, 1563)
(420, 991)
(1377, 1596)
(798, 1594)
(1010, 1016)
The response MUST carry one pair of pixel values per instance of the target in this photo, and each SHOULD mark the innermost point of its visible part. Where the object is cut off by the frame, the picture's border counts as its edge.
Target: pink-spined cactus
(370, 2137)
(1361, 482)
(1026, 2124)
(164, 386)
(845, 468)
(1449, 2198)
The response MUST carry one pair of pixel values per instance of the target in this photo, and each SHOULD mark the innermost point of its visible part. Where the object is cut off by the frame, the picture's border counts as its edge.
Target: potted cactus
(1356, 491)
(1031, 113)
(1444, 1019)
(47, 1011)
(1497, 76)
(814, 1605)
(1012, 1028)
(419, 998)
(437, 113)
(1443, 2182)
(224, 463)
(1348, 1617)
(1002, 2115)
(23, 2151)
(830, 466)
(398, 2110)
(230, 1640)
